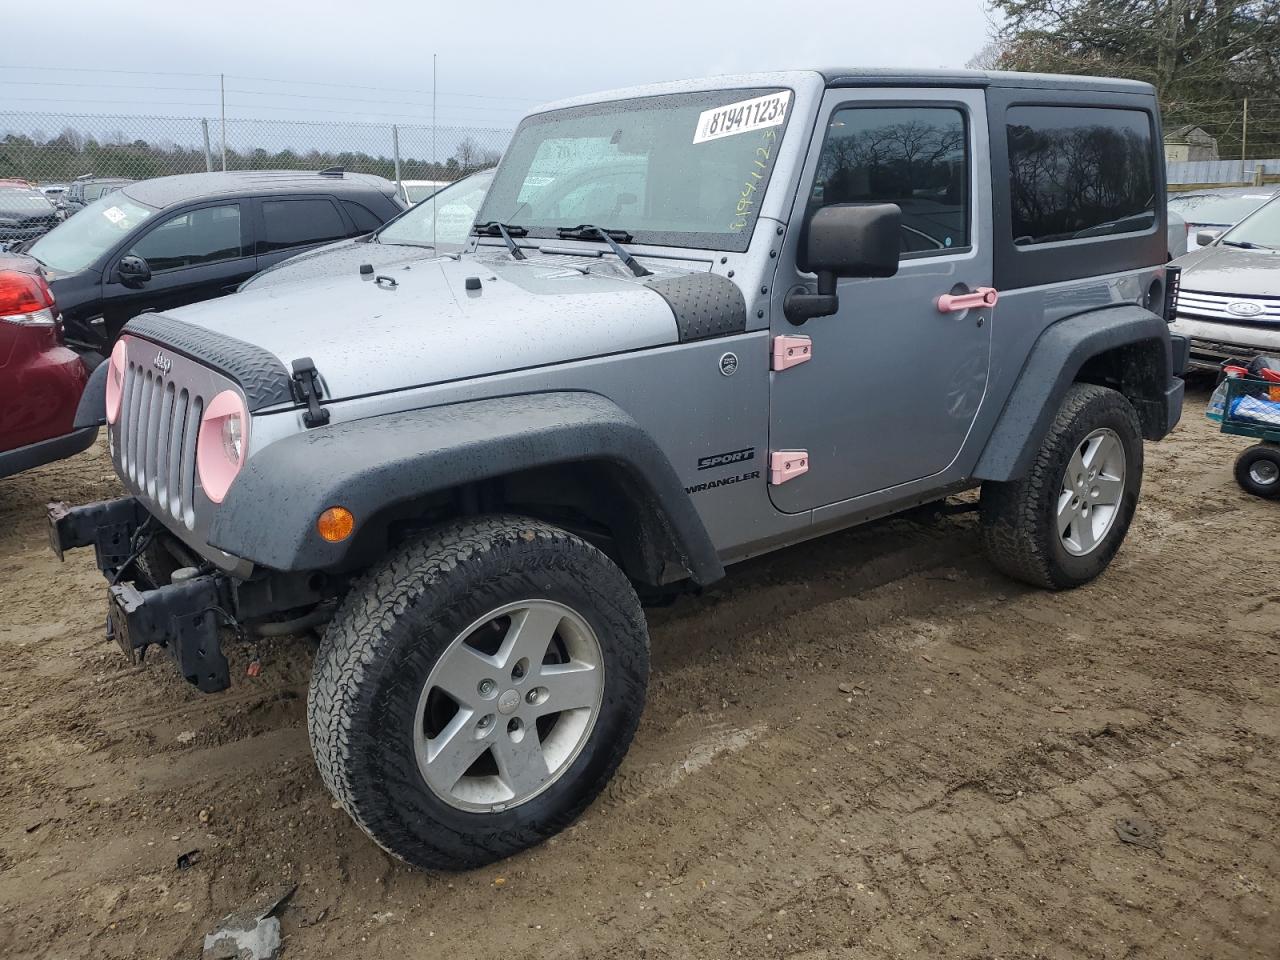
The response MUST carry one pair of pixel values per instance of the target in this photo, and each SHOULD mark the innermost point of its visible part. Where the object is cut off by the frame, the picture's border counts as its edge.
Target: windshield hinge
(306, 388)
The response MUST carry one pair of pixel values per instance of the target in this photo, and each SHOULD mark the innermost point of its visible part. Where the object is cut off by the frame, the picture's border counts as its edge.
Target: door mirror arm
(844, 240)
(801, 306)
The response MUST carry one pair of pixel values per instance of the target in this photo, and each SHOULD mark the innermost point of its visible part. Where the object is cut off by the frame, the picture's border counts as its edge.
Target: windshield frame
(730, 240)
(1227, 234)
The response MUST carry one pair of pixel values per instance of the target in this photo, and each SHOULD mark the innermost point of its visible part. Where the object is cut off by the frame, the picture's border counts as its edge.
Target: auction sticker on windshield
(742, 117)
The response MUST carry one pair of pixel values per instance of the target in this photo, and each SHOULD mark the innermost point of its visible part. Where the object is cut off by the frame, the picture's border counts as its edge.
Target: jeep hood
(334, 259)
(418, 323)
(1232, 270)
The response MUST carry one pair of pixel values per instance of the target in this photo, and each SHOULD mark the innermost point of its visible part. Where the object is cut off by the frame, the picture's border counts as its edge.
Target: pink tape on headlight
(212, 463)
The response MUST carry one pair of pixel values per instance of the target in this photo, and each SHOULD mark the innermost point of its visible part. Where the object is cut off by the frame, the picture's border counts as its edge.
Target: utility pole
(1244, 131)
(435, 161)
(222, 87)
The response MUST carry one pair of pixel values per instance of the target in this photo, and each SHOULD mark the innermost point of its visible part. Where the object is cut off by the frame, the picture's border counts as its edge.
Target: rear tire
(443, 741)
(1258, 470)
(1059, 526)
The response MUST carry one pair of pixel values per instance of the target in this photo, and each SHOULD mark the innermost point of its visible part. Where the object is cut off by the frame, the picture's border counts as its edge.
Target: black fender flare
(91, 411)
(1056, 360)
(269, 514)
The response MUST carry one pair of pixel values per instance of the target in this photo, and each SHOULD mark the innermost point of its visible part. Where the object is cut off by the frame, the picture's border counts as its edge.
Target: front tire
(1258, 470)
(1060, 525)
(478, 689)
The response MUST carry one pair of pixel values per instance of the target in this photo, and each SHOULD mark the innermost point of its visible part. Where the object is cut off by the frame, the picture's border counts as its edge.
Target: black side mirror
(133, 271)
(845, 240)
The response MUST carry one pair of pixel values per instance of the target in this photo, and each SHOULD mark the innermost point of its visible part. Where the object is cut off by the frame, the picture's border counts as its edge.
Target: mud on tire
(1020, 517)
(371, 674)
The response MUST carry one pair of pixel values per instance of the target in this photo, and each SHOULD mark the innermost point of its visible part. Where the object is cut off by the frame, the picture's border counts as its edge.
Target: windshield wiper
(495, 228)
(587, 231)
(1245, 245)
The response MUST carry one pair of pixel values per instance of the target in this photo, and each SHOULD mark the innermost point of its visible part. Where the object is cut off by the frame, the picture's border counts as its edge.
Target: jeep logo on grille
(1244, 308)
(162, 363)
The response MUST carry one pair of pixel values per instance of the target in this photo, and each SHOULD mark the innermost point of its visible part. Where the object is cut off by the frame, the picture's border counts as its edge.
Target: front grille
(1213, 306)
(159, 422)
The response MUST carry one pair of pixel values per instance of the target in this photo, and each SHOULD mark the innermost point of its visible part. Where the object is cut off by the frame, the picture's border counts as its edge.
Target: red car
(41, 380)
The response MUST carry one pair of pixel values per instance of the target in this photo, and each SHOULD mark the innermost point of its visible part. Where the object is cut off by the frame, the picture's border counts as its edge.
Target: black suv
(158, 244)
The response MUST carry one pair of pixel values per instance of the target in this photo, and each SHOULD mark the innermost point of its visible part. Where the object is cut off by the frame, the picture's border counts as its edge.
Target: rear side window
(1079, 172)
(295, 223)
(916, 157)
(365, 221)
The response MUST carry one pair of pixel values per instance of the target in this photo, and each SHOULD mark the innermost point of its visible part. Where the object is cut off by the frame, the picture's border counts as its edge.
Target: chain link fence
(46, 148)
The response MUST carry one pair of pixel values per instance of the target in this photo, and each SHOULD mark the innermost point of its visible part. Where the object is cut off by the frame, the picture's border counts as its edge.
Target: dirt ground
(868, 746)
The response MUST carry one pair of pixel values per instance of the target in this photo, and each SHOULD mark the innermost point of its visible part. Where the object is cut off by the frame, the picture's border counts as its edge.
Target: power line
(452, 120)
(328, 97)
(311, 83)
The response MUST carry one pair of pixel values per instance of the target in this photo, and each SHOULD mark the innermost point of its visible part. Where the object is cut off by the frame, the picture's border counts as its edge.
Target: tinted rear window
(295, 223)
(361, 216)
(1080, 172)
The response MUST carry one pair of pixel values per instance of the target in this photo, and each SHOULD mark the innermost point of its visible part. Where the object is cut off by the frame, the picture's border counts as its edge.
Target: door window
(207, 235)
(916, 157)
(296, 223)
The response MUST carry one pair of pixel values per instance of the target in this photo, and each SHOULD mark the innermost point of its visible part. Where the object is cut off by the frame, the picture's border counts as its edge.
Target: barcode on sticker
(742, 117)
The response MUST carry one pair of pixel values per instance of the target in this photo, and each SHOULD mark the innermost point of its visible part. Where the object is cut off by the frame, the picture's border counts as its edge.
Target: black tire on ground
(1258, 470)
(1019, 517)
(392, 628)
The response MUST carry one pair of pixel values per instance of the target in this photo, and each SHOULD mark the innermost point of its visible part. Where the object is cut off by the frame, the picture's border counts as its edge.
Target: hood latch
(307, 389)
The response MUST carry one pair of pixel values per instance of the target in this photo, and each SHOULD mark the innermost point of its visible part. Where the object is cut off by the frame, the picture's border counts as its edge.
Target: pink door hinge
(790, 351)
(786, 465)
(979, 298)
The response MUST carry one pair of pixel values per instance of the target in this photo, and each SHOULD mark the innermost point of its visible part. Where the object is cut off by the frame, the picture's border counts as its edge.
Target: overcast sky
(497, 58)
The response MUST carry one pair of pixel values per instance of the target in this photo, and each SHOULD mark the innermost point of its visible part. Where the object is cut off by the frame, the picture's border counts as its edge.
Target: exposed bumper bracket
(107, 526)
(181, 617)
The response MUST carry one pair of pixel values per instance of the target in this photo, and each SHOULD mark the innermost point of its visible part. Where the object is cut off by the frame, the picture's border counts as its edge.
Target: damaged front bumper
(182, 617)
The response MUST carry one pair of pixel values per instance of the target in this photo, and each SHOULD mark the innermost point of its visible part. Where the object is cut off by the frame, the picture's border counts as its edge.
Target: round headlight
(222, 443)
(233, 437)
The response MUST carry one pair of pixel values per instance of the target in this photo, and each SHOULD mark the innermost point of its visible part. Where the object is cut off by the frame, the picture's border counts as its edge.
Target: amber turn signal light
(335, 524)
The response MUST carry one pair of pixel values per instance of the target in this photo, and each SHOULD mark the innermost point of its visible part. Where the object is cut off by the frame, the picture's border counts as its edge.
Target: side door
(894, 381)
(194, 254)
(289, 225)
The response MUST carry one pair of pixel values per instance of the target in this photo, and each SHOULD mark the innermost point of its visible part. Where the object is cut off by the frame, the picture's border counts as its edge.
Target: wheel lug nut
(487, 687)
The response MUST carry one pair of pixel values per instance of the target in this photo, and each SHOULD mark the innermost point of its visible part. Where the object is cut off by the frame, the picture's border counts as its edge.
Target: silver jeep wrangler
(696, 322)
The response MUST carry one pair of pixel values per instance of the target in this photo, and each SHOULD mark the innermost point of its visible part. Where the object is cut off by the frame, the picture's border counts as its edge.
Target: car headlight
(233, 437)
(222, 443)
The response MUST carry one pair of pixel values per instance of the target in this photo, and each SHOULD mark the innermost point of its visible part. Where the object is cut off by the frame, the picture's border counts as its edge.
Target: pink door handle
(981, 297)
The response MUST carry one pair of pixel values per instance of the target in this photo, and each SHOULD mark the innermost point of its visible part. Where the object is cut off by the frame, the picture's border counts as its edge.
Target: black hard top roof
(889, 76)
(164, 191)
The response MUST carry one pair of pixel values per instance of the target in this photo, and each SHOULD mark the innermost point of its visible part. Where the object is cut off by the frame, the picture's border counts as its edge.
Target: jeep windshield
(687, 169)
(74, 244)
